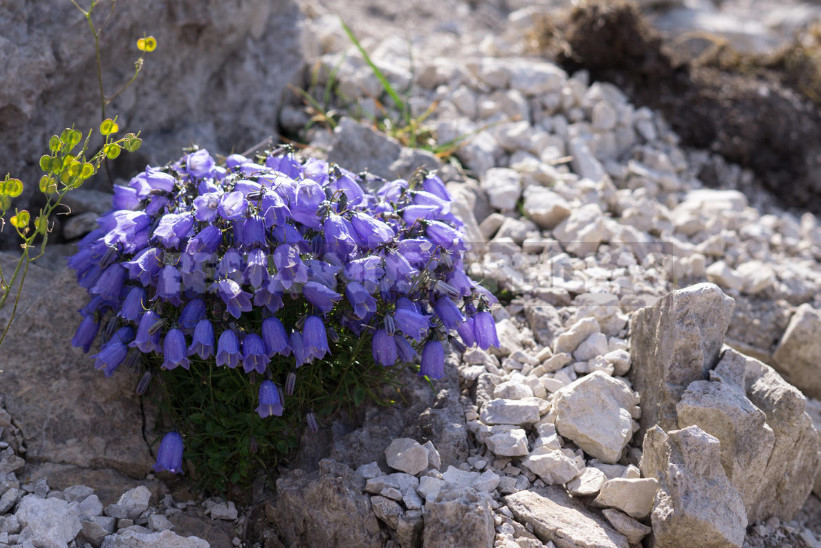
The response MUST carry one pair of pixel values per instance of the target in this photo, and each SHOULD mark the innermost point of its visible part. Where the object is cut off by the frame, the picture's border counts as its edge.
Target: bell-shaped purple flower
(305, 209)
(232, 206)
(133, 305)
(199, 163)
(369, 232)
(274, 210)
(168, 285)
(125, 198)
(320, 296)
(287, 164)
(290, 383)
(250, 232)
(113, 352)
(315, 338)
(435, 186)
(169, 455)
(465, 331)
(254, 357)
(110, 283)
(193, 312)
(127, 229)
(148, 336)
(407, 354)
(256, 270)
(228, 349)
(399, 271)
(484, 330)
(322, 272)
(301, 356)
(145, 266)
(384, 348)
(202, 342)
(290, 268)
(433, 360)
(338, 239)
(236, 300)
(362, 302)
(173, 228)
(275, 337)
(204, 242)
(270, 401)
(263, 297)
(86, 333)
(412, 323)
(206, 206)
(174, 350)
(445, 235)
(415, 212)
(230, 266)
(448, 312)
(152, 179)
(416, 250)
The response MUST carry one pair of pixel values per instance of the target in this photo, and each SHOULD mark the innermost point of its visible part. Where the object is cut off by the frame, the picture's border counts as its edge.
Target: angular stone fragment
(582, 232)
(96, 528)
(552, 465)
(510, 412)
(799, 350)
(782, 487)
(594, 412)
(131, 538)
(747, 441)
(407, 455)
(674, 343)
(503, 187)
(627, 526)
(386, 510)
(696, 505)
(570, 340)
(588, 483)
(545, 207)
(48, 522)
(508, 444)
(458, 517)
(557, 518)
(634, 497)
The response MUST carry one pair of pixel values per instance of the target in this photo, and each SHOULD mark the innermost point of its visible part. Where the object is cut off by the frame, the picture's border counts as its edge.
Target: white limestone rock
(634, 497)
(512, 443)
(594, 412)
(407, 455)
(515, 412)
(503, 187)
(553, 466)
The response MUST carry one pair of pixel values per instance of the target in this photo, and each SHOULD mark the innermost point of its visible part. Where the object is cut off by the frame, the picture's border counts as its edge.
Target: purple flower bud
(333, 336)
(256, 271)
(85, 334)
(362, 302)
(236, 300)
(142, 386)
(433, 360)
(390, 325)
(174, 350)
(320, 296)
(228, 349)
(145, 340)
(290, 383)
(193, 312)
(457, 345)
(232, 206)
(310, 418)
(448, 312)
(369, 232)
(202, 343)
(254, 357)
(110, 283)
(199, 163)
(172, 228)
(446, 289)
(270, 402)
(314, 338)
(367, 271)
(113, 352)
(169, 455)
(168, 285)
(484, 330)
(305, 209)
(287, 164)
(383, 347)
(152, 179)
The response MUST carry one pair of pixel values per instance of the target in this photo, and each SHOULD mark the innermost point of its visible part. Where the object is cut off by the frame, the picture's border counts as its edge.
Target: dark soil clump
(757, 117)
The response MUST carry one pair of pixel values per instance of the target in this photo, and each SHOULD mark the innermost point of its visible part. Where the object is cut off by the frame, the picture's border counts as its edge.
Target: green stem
(23, 259)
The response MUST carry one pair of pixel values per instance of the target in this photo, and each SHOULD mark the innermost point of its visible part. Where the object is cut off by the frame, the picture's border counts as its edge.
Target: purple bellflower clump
(263, 268)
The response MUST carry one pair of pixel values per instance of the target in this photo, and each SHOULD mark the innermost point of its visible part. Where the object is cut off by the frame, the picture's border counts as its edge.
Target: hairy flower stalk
(285, 267)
